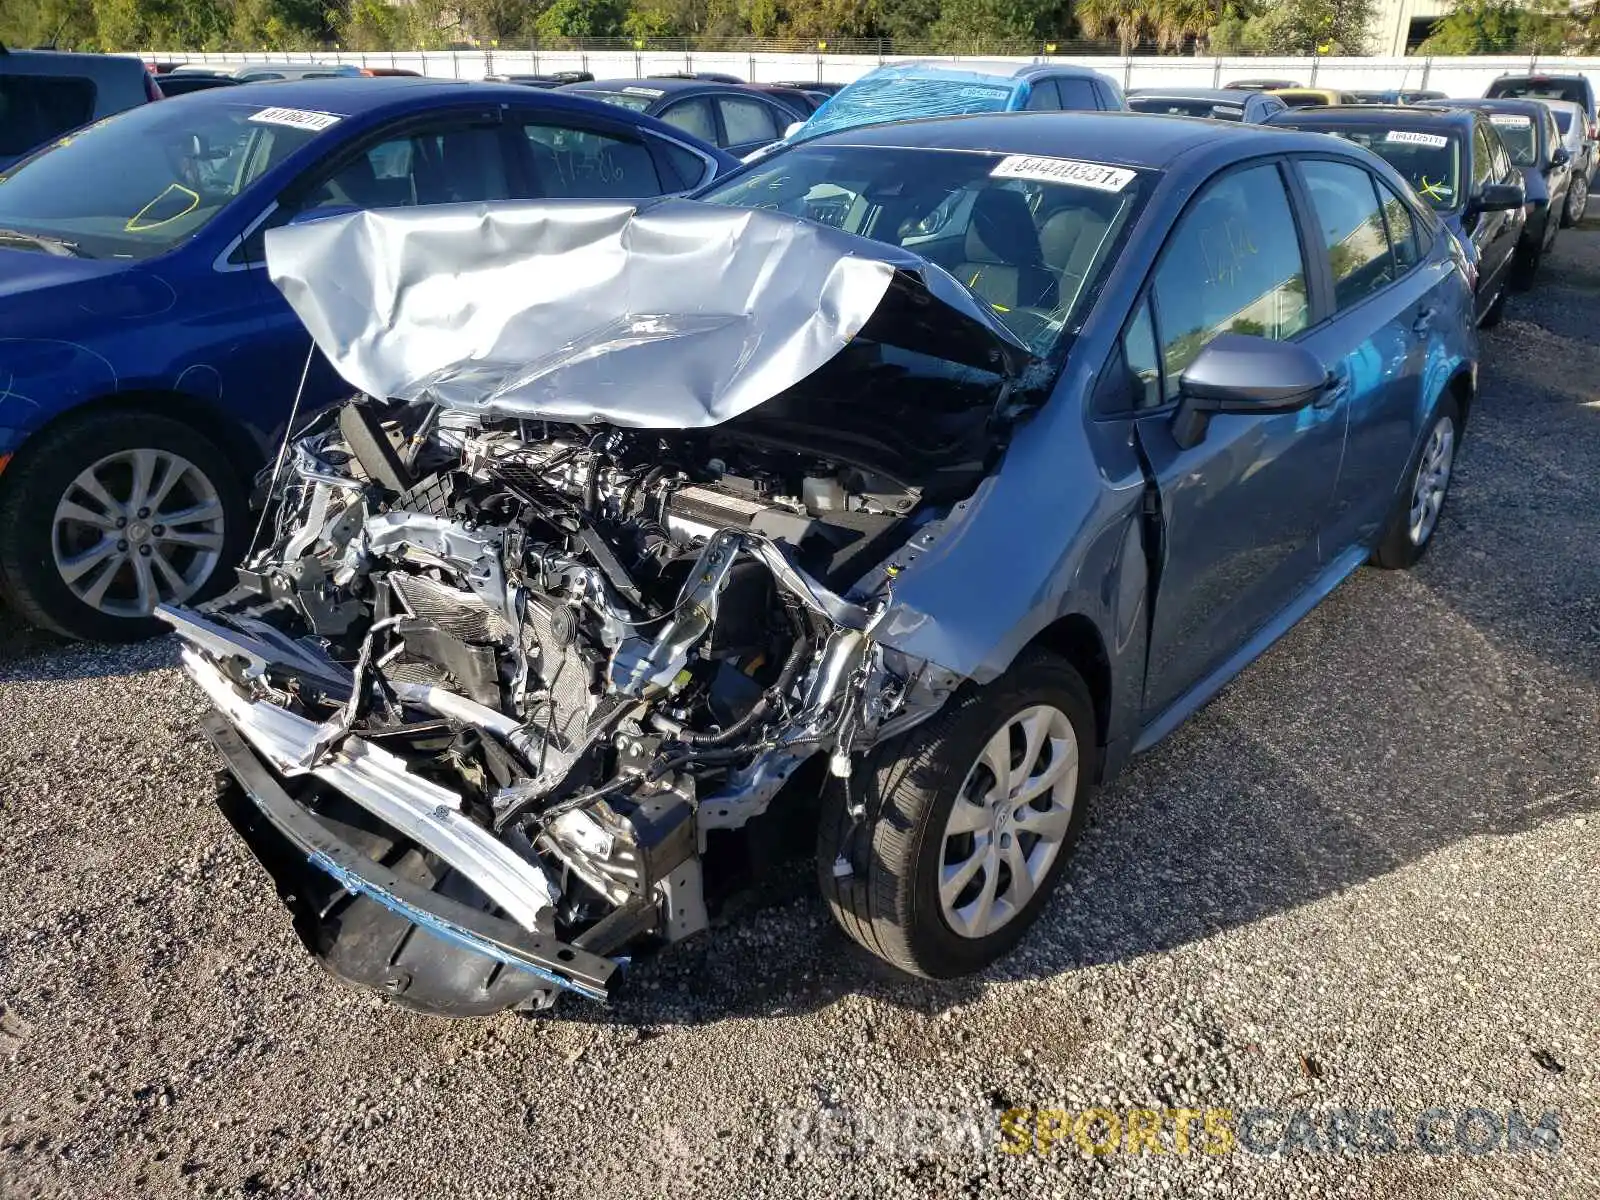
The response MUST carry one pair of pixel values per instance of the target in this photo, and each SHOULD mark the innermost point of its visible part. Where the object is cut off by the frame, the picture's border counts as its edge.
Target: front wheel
(110, 515)
(1416, 515)
(969, 820)
(1577, 200)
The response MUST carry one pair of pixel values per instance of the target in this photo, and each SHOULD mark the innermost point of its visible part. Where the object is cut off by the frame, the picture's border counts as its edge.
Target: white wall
(1455, 76)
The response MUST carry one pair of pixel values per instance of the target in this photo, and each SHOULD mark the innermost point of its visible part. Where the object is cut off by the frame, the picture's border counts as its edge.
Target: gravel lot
(1364, 878)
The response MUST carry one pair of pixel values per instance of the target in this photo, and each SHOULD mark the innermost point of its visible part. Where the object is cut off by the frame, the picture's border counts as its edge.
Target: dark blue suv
(148, 365)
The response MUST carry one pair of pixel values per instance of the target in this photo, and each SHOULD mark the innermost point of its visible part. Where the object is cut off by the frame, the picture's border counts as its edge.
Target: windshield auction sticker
(1406, 137)
(1511, 119)
(1064, 170)
(297, 117)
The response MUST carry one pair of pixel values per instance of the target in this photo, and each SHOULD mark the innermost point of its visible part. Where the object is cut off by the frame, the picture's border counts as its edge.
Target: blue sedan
(147, 364)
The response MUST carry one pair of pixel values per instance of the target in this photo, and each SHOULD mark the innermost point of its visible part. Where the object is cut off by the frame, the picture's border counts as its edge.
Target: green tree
(580, 19)
(1126, 20)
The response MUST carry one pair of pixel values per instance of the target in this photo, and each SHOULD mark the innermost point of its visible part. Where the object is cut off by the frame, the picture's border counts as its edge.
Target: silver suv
(45, 93)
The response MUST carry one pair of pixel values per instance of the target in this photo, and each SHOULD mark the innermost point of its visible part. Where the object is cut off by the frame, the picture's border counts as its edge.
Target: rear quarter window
(36, 108)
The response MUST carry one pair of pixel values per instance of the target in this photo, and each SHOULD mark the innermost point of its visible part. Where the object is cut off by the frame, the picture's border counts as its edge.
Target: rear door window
(747, 120)
(1352, 226)
(1078, 94)
(571, 162)
(36, 108)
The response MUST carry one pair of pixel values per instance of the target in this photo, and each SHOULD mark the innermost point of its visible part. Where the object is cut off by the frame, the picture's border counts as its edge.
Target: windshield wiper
(50, 245)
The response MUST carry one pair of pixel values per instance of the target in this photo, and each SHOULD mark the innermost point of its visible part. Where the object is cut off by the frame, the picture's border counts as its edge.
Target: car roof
(1525, 105)
(664, 86)
(1218, 95)
(360, 95)
(1128, 139)
(50, 62)
(1402, 116)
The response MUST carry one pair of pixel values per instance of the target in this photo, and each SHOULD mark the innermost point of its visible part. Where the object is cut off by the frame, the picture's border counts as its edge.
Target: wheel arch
(205, 417)
(1077, 639)
(1461, 387)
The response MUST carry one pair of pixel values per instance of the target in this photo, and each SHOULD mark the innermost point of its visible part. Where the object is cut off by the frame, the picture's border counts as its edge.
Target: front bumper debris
(296, 838)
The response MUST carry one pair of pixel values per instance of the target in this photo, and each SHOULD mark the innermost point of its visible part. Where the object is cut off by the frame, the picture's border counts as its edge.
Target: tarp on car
(676, 315)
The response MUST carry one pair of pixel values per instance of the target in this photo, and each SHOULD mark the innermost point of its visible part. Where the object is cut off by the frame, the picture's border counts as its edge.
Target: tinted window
(1186, 107)
(638, 100)
(690, 167)
(1402, 229)
(1352, 229)
(1232, 265)
(34, 109)
(439, 166)
(1563, 118)
(1547, 89)
(747, 121)
(1141, 357)
(581, 162)
(1042, 96)
(1482, 156)
(694, 118)
(1077, 94)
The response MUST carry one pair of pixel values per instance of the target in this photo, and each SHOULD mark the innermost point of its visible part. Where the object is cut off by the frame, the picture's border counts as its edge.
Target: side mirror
(793, 129)
(1560, 157)
(1497, 197)
(1242, 373)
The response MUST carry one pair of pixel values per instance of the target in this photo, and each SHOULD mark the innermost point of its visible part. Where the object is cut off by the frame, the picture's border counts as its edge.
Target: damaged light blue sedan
(891, 493)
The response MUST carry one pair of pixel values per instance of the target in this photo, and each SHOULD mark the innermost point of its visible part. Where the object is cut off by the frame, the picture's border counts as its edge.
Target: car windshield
(1032, 237)
(1517, 132)
(1430, 161)
(634, 99)
(140, 183)
(898, 96)
(1563, 118)
(1186, 107)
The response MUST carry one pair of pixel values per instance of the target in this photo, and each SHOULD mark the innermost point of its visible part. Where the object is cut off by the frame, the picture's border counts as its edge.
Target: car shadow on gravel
(28, 654)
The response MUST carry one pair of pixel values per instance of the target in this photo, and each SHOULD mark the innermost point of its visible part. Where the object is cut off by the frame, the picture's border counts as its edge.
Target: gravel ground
(1363, 879)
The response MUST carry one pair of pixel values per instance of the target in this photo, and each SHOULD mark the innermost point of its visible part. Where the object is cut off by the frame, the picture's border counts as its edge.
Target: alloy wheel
(1433, 480)
(1578, 201)
(138, 528)
(1008, 822)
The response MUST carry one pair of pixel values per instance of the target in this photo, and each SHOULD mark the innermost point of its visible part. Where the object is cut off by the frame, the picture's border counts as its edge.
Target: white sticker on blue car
(1406, 137)
(1064, 170)
(297, 118)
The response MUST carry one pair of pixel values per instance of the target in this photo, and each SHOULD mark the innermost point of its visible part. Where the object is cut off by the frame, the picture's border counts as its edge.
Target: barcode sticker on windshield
(1437, 140)
(1510, 119)
(1064, 170)
(299, 118)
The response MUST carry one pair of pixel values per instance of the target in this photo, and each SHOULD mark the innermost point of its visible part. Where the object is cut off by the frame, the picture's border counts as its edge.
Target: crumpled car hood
(675, 315)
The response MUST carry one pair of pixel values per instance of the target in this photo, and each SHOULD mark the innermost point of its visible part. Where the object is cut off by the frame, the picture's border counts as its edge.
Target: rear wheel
(1496, 311)
(1416, 515)
(112, 514)
(969, 821)
(1526, 269)
(1577, 200)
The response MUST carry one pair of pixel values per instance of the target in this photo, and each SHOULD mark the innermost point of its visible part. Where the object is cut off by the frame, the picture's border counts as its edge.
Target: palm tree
(1126, 19)
(1175, 22)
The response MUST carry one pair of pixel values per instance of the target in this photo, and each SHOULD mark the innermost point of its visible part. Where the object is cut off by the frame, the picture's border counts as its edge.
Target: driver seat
(1003, 261)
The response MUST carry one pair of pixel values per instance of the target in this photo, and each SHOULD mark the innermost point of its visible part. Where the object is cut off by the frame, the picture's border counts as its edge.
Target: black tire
(1496, 312)
(1526, 269)
(889, 902)
(31, 490)
(1396, 549)
(1577, 202)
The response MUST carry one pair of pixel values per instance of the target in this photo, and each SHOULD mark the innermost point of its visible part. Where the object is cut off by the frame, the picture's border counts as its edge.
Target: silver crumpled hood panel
(675, 315)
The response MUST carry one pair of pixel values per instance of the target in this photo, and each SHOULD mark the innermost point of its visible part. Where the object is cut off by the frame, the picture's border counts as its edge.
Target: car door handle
(1424, 321)
(1335, 390)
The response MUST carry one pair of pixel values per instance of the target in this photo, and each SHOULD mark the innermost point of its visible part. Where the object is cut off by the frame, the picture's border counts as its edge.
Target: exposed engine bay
(596, 590)
(602, 644)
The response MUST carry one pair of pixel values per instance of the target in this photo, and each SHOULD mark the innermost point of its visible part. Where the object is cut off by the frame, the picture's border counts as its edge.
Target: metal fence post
(1216, 72)
(1315, 60)
(1427, 68)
